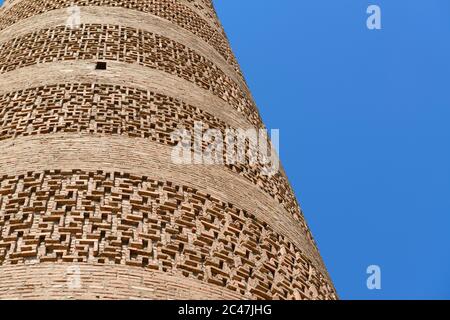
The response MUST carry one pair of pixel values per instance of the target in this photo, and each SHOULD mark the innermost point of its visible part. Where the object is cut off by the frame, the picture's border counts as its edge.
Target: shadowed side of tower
(91, 203)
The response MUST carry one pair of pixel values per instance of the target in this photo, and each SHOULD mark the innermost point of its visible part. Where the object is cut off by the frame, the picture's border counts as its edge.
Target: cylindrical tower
(92, 204)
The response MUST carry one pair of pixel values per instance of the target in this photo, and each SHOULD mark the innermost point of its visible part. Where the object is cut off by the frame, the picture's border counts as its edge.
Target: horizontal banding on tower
(122, 74)
(124, 111)
(101, 281)
(117, 218)
(126, 45)
(125, 18)
(89, 98)
(206, 9)
(139, 156)
(171, 10)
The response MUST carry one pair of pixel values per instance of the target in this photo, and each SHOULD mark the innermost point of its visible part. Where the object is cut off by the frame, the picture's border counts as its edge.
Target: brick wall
(86, 179)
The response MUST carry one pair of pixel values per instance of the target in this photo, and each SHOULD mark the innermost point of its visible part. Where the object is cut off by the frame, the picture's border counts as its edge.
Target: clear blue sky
(364, 130)
(364, 119)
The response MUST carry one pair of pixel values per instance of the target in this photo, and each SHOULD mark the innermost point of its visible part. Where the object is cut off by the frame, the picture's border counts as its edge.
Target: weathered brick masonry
(86, 177)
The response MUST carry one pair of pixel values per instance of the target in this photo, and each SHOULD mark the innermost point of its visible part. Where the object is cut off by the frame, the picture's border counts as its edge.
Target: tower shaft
(92, 204)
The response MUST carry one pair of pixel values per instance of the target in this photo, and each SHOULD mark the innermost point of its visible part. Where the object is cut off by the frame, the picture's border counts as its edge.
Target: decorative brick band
(208, 11)
(116, 218)
(120, 110)
(171, 10)
(122, 74)
(125, 18)
(141, 157)
(106, 42)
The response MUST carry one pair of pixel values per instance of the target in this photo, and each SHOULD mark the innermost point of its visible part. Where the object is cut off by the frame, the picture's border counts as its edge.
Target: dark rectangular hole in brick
(101, 65)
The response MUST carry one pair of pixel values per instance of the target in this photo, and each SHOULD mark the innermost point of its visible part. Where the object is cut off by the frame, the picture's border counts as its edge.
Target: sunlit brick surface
(113, 218)
(86, 181)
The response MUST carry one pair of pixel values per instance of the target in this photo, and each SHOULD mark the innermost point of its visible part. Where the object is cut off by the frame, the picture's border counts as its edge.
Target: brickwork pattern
(31, 281)
(86, 178)
(105, 42)
(114, 218)
(118, 110)
(207, 10)
(170, 10)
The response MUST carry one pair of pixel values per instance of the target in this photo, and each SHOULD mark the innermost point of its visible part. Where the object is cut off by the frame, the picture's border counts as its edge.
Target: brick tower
(92, 204)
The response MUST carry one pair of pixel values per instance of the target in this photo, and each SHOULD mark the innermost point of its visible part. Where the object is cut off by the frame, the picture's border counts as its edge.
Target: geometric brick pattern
(118, 43)
(114, 218)
(119, 110)
(170, 10)
(33, 281)
(207, 10)
(86, 177)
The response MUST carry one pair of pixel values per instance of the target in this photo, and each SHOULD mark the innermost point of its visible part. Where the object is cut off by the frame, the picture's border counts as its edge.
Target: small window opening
(101, 65)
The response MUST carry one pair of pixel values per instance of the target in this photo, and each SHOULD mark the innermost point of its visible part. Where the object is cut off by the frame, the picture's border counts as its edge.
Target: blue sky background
(364, 119)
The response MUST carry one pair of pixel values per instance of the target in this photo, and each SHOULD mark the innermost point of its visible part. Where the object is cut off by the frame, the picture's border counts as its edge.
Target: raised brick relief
(116, 218)
(109, 42)
(170, 10)
(119, 110)
(207, 10)
(188, 232)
